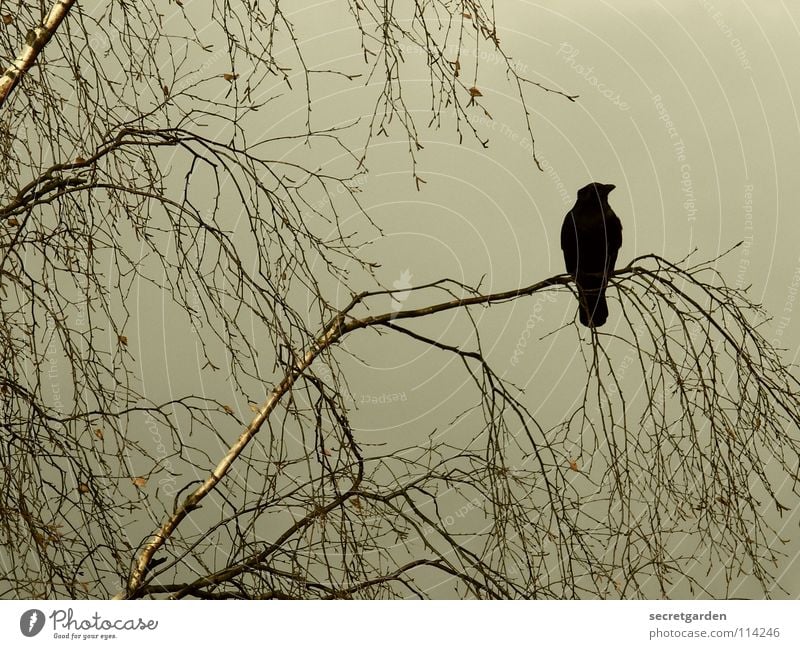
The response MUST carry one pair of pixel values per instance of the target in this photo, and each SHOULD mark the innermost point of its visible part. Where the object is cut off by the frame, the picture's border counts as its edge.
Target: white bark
(27, 57)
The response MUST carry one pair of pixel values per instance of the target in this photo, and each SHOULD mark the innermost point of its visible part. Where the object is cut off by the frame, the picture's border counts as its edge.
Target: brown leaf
(79, 160)
(228, 409)
(230, 76)
(83, 488)
(12, 221)
(253, 406)
(8, 19)
(573, 464)
(474, 92)
(140, 482)
(165, 90)
(467, 15)
(123, 339)
(98, 433)
(326, 452)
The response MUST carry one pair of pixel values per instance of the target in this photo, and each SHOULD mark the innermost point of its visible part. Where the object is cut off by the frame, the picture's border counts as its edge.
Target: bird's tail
(593, 309)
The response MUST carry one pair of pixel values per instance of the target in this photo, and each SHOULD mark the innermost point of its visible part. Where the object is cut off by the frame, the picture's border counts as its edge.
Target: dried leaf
(327, 452)
(83, 488)
(165, 90)
(8, 19)
(140, 482)
(79, 160)
(253, 406)
(474, 92)
(228, 409)
(123, 339)
(230, 76)
(98, 433)
(467, 15)
(573, 464)
(12, 221)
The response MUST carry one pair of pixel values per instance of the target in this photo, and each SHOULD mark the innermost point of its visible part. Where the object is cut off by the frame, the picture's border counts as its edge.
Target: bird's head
(594, 191)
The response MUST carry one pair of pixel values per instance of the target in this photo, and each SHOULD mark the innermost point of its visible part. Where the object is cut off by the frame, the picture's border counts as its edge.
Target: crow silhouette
(591, 238)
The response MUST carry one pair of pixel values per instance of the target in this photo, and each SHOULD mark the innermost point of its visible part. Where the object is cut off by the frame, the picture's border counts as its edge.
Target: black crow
(591, 238)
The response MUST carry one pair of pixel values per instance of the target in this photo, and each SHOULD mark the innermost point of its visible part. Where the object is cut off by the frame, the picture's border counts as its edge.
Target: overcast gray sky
(687, 106)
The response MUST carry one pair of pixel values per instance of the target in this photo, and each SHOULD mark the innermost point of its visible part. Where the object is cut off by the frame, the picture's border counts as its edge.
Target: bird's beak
(608, 188)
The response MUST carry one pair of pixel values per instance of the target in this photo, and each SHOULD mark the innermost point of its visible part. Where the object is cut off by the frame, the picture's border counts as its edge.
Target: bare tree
(133, 165)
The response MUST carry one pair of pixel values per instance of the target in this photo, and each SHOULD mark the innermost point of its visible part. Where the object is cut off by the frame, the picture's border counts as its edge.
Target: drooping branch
(638, 284)
(521, 501)
(340, 326)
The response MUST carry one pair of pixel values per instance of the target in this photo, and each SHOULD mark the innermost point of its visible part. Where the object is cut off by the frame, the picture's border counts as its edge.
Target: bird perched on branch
(591, 238)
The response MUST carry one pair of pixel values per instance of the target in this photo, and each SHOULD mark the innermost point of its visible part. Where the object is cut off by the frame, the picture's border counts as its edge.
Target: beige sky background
(688, 107)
